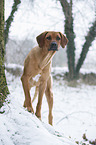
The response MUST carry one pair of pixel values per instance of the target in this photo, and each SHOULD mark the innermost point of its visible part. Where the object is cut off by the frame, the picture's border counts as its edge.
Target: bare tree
(3, 84)
(69, 30)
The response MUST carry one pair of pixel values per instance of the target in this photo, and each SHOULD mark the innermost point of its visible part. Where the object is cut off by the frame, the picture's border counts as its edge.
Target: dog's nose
(53, 45)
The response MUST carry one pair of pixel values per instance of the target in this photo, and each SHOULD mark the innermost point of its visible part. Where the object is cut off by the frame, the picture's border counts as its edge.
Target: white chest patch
(36, 78)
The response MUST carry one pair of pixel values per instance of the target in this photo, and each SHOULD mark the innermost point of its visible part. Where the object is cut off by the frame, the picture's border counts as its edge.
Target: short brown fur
(38, 61)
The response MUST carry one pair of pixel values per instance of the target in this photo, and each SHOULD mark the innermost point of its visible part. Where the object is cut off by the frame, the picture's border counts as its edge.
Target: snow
(74, 111)
(21, 127)
(73, 114)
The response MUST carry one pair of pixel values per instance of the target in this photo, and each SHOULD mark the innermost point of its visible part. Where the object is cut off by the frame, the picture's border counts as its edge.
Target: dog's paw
(29, 107)
(38, 115)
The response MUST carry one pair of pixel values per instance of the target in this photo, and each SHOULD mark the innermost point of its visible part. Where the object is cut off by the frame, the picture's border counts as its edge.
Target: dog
(38, 65)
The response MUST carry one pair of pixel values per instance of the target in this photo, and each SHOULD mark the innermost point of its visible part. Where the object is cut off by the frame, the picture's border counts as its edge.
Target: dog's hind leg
(36, 93)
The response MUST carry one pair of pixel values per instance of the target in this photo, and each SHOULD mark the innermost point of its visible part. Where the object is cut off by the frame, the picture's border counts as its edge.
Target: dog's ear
(40, 39)
(64, 40)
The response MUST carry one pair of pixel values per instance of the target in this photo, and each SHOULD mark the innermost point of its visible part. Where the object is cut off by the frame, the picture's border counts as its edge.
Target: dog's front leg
(49, 96)
(41, 92)
(27, 102)
(42, 87)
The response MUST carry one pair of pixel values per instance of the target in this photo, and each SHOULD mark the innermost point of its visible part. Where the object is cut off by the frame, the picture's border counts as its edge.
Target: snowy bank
(74, 113)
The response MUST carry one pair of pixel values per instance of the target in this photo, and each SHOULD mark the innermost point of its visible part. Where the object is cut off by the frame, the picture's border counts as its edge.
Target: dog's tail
(36, 93)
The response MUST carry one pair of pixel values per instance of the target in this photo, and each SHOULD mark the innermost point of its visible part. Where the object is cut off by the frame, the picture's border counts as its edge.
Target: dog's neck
(47, 59)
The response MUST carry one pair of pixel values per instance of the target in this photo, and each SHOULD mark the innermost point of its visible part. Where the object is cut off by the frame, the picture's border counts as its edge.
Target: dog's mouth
(53, 47)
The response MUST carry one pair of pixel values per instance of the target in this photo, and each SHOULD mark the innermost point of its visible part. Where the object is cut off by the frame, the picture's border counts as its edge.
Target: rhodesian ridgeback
(37, 65)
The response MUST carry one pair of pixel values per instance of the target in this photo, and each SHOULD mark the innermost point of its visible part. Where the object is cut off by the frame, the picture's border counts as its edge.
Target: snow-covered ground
(74, 111)
(74, 114)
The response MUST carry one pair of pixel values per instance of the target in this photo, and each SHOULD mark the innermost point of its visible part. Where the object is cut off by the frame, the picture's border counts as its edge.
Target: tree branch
(65, 6)
(10, 19)
(89, 39)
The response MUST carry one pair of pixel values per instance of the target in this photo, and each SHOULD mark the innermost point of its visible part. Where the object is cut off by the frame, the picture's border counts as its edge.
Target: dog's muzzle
(53, 46)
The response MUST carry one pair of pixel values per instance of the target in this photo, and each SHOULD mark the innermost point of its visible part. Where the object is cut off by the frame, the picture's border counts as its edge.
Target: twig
(74, 113)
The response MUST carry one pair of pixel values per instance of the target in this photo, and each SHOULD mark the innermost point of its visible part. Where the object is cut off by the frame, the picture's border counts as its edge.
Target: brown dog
(37, 62)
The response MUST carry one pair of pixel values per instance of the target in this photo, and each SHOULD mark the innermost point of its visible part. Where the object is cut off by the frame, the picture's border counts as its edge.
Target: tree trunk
(3, 84)
(10, 19)
(89, 38)
(67, 9)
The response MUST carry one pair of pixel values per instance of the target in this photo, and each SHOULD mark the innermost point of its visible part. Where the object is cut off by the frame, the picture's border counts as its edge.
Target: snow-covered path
(73, 112)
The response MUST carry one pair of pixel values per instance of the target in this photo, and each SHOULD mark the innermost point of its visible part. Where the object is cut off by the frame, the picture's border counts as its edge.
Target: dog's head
(51, 40)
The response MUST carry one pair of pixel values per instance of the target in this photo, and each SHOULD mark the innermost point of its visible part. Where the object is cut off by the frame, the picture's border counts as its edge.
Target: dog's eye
(49, 37)
(58, 38)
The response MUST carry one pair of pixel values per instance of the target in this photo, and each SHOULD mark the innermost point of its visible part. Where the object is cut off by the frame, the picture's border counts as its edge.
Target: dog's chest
(37, 77)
